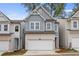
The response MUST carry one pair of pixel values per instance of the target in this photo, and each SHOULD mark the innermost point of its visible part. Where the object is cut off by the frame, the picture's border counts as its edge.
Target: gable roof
(40, 6)
(3, 16)
(76, 14)
(35, 10)
(26, 19)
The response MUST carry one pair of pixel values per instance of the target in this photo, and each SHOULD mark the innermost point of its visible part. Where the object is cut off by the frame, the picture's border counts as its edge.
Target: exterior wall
(40, 36)
(42, 23)
(29, 37)
(43, 13)
(4, 37)
(63, 33)
(15, 34)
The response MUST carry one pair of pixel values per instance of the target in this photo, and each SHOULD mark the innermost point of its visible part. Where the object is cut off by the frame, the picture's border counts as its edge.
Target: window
(5, 27)
(75, 24)
(48, 25)
(35, 25)
(0, 27)
(32, 26)
(16, 28)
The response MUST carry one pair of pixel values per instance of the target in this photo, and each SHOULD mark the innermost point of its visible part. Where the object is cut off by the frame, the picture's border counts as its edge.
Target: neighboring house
(9, 34)
(69, 32)
(41, 30)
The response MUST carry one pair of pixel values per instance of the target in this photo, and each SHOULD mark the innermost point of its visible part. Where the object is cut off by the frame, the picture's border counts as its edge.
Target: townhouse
(41, 31)
(10, 39)
(69, 32)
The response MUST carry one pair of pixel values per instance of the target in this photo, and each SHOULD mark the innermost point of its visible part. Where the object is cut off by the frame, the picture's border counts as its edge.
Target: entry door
(16, 43)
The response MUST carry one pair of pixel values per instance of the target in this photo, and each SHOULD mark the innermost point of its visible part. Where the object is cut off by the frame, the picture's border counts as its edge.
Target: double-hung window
(5, 27)
(34, 25)
(75, 24)
(48, 26)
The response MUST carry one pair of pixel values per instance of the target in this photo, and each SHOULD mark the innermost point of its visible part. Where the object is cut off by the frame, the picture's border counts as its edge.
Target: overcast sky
(17, 11)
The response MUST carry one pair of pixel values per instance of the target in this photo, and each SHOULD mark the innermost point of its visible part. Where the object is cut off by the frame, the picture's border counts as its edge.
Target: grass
(18, 52)
(63, 50)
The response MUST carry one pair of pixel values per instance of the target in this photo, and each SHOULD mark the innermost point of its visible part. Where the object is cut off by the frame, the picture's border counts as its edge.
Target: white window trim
(34, 25)
(1, 27)
(50, 26)
(73, 24)
(7, 27)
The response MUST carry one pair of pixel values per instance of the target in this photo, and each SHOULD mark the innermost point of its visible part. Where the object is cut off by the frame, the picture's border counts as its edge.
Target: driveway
(40, 53)
(48, 53)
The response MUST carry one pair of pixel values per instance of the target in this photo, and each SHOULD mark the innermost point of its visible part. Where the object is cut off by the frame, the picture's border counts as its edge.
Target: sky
(16, 11)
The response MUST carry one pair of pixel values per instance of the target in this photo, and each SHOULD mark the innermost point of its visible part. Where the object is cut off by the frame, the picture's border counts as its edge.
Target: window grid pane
(75, 24)
(37, 25)
(5, 27)
(48, 26)
(32, 25)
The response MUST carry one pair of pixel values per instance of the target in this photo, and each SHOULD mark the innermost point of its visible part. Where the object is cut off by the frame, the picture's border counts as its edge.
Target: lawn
(18, 52)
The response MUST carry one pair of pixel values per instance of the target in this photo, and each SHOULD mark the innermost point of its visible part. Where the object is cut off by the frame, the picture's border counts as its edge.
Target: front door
(16, 43)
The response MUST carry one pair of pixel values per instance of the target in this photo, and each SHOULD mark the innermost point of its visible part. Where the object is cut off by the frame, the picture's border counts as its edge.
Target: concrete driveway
(40, 53)
(48, 53)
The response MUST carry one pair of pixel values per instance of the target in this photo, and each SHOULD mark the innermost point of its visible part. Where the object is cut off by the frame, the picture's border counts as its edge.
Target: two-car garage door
(40, 45)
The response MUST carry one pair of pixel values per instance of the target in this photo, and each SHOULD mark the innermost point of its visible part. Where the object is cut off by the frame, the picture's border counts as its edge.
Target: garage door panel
(75, 42)
(40, 45)
(4, 45)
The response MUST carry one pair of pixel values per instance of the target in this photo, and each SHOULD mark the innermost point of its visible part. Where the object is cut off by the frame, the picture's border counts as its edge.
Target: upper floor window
(48, 25)
(32, 25)
(35, 25)
(75, 24)
(5, 27)
(16, 28)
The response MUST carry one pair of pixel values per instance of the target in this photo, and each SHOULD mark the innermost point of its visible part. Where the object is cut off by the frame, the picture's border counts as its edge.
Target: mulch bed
(63, 50)
(18, 52)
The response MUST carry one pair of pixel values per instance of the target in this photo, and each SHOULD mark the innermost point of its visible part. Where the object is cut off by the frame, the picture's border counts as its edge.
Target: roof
(76, 14)
(4, 15)
(16, 21)
(39, 14)
(39, 32)
(44, 10)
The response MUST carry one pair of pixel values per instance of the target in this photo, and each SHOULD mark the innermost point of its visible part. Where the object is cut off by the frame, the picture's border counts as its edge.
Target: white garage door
(75, 43)
(40, 45)
(4, 45)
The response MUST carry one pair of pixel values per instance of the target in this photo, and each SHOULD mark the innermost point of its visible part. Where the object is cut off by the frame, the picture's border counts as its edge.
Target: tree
(56, 7)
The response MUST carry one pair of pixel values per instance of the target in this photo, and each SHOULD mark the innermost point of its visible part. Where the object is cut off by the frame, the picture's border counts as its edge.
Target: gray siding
(44, 14)
(41, 20)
